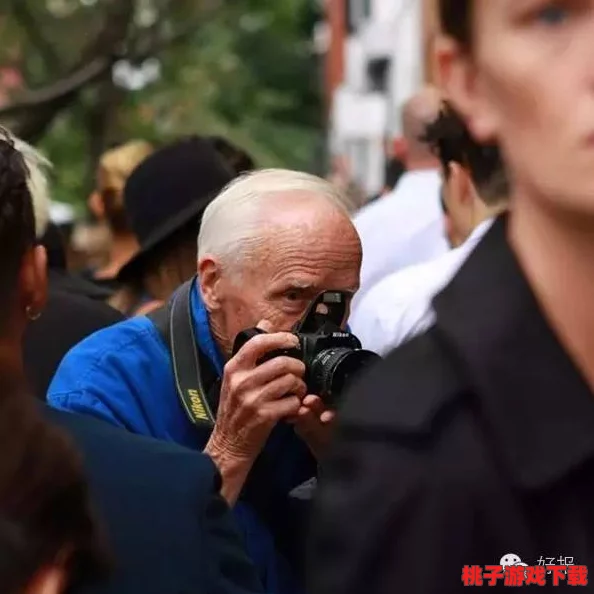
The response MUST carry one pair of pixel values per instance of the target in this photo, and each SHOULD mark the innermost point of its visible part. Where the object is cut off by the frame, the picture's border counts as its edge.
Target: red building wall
(334, 70)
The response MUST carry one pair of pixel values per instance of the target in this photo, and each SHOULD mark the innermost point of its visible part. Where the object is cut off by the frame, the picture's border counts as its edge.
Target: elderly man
(269, 244)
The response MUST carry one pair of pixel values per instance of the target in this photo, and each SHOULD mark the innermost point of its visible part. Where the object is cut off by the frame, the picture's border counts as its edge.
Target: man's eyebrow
(300, 285)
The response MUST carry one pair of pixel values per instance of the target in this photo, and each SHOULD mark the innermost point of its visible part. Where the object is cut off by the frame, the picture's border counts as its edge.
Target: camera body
(332, 356)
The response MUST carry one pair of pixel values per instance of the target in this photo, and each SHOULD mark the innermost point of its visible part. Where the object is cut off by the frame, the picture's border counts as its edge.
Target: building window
(378, 73)
(366, 8)
(358, 11)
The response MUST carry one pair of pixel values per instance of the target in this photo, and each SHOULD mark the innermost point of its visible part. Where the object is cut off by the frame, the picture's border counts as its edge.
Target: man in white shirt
(475, 191)
(405, 227)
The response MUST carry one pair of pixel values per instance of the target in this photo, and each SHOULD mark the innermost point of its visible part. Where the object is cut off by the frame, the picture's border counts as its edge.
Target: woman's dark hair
(451, 141)
(45, 514)
(456, 19)
(55, 245)
(17, 220)
(44, 504)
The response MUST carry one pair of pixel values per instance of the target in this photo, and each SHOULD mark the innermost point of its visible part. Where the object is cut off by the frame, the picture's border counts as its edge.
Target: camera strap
(176, 326)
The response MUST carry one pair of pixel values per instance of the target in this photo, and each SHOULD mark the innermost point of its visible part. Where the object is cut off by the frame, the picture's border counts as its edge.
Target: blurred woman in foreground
(48, 537)
(469, 452)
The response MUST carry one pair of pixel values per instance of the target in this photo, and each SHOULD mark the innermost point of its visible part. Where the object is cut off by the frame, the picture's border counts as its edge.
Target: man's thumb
(265, 325)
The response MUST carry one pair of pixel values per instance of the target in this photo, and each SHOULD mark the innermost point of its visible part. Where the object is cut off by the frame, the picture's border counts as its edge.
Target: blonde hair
(230, 221)
(117, 164)
(38, 167)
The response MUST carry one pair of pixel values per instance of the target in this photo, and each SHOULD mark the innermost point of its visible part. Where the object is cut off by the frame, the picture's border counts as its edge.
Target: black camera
(332, 356)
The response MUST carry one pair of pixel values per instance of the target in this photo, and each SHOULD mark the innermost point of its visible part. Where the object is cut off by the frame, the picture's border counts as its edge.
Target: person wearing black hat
(237, 158)
(164, 198)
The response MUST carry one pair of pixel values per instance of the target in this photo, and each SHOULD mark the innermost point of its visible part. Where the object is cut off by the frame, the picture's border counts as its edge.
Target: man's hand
(313, 423)
(253, 399)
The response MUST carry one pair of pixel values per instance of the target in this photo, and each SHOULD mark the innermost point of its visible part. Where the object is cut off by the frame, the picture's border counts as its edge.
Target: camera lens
(332, 370)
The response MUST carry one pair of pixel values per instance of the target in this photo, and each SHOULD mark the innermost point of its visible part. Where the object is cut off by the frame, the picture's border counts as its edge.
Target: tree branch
(87, 74)
(32, 112)
(160, 43)
(110, 40)
(60, 89)
(24, 17)
(95, 61)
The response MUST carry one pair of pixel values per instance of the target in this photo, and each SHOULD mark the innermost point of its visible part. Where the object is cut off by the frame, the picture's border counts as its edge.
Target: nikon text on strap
(175, 324)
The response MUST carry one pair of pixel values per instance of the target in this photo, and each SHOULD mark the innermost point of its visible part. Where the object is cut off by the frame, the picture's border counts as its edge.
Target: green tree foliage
(243, 69)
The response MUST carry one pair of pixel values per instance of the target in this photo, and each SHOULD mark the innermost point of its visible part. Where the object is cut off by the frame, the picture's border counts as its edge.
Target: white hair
(37, 182)
(232, 221)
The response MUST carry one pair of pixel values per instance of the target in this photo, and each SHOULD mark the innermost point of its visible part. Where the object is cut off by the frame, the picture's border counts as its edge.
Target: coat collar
(535, 403)
(204, 338)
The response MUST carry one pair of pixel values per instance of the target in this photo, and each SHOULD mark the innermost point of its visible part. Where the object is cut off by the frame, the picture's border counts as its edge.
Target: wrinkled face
(301, 255)
(528, 82)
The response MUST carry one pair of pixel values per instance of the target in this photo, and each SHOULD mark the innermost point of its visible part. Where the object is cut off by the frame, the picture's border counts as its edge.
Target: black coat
(67, 319)
(170, 531)
(472, 442)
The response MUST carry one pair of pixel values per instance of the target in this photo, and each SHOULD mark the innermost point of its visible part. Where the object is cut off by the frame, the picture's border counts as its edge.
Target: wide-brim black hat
(169, 191)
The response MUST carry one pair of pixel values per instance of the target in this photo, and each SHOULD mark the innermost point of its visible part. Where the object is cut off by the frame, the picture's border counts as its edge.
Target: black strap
(175, 324)
(284, 516)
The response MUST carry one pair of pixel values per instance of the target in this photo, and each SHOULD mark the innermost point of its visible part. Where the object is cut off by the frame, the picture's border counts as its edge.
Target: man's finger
(314, 403)
(283, 408)
(274, 368)
(284, 387)
(258, 346)
(266, 326)
(304, 411)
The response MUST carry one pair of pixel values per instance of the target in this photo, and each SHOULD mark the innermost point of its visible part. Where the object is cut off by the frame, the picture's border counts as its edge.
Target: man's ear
(33, 282)
(209, 278)
(461, 85)
(399, 148)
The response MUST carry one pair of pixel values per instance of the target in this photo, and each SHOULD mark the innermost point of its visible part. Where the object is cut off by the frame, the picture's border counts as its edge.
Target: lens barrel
(332, 370)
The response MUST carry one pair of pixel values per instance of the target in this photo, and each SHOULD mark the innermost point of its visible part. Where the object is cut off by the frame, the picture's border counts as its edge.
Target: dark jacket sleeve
(380, 527)
(66, 321)
(168, 529)
(393, 513)
(232, 572)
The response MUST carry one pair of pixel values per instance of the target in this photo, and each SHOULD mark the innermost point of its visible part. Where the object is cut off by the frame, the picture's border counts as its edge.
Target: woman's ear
(96, 206)
(460, 82)
(33, 282)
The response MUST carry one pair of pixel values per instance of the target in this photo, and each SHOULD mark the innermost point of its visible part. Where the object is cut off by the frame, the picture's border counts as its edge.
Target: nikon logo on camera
(197, 405)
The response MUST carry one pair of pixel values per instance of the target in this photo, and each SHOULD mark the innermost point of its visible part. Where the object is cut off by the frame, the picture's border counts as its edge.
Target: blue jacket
(168, 529)
(123, 375)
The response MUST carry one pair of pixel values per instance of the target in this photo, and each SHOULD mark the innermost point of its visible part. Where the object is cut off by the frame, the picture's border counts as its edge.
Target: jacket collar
(535, 402)
(204, 338)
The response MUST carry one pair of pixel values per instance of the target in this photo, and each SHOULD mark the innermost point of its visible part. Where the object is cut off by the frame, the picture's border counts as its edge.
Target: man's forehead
(328, 279)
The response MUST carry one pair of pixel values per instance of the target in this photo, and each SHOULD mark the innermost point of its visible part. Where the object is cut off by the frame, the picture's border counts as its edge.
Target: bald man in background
(405, 227)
